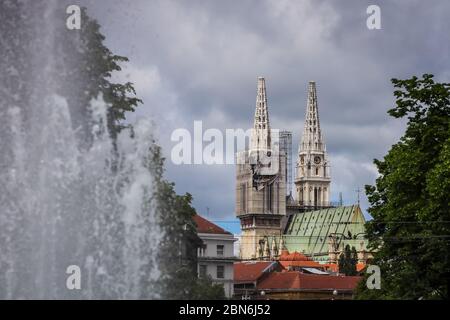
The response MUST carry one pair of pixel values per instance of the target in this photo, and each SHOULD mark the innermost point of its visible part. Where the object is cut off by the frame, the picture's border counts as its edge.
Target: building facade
(260, 182)
(312, 178)
(216, 255)
(323, 234)
(286, 149)
(271, 218)
(270, 280)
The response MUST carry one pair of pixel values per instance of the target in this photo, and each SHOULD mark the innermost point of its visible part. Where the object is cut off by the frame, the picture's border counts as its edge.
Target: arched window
(317, 171)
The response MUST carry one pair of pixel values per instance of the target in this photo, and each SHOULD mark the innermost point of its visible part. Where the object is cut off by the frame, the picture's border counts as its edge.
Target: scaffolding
(286, 148)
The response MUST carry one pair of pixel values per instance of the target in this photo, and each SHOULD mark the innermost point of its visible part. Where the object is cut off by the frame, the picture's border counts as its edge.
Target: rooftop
(297, 259)
(251, 271)
(297, 280)
(309, 232)
(206, 226)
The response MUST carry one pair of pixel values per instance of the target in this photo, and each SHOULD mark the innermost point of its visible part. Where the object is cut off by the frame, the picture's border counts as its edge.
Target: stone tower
(312, 177)
(260, 183)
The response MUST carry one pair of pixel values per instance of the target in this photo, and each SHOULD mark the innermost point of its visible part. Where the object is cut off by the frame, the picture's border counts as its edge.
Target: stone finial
(260, 138)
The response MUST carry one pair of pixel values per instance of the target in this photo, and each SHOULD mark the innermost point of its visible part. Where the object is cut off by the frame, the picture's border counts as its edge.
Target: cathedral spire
(260, 138)
(312, 135)
(313, 168)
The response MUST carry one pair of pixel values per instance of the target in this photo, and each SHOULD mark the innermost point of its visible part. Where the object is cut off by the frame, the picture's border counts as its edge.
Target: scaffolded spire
(312, 139)
(260, 138)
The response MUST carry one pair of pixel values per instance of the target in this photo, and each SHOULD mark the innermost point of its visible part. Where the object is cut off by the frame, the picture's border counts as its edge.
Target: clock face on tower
(316, 159)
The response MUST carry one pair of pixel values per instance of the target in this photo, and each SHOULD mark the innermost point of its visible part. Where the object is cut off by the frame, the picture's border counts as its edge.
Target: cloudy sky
(199, 60)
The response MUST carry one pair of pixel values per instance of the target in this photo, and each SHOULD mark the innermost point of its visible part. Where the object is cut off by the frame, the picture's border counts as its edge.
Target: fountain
(66, 198)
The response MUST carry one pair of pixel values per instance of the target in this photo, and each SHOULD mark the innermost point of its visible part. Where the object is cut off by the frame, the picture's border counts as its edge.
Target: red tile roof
(294, 256)
(298, 280)
(297, 259)
(205, 226)
(360, 266)
(281, 280)
(331, 267)
(250, 271)
(335, 268)
(301, 264)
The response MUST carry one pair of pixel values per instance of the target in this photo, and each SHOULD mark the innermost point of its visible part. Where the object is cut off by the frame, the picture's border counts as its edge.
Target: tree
(410, 201)
(347, 261)
(206, 289)
(89, 65)
(78, 67)
(178, 251)
(91, 68)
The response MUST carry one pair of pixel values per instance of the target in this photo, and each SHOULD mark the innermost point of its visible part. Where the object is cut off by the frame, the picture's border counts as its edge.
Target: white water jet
(65, 201)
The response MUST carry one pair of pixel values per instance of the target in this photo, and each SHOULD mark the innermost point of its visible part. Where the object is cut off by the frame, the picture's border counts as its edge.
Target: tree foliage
(177, 254)
(347, 261)
(90, 66)
(82, 71)
(409, 204)
(178, 251)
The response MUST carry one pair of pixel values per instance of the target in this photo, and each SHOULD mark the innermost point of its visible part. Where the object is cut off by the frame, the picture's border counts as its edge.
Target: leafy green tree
(205, 289)
(89, 65)
(186, 286)
(347, 261)
(92, 66)
(178, 251)
(82, 70)
(410, 230)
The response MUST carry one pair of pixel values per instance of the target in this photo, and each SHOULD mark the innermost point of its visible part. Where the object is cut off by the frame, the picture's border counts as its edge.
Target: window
(220, 272)
(203, 250)
(220, 250)
(202, 271)
(269, 197)
(243, 197)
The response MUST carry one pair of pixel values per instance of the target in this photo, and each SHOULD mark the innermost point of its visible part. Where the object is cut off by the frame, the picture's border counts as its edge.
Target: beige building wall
(260, 211)
(210, 259)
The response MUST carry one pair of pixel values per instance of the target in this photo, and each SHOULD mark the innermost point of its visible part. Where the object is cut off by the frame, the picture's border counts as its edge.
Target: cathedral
(272, 217)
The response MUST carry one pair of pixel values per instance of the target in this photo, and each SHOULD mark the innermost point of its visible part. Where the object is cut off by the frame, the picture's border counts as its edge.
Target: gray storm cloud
(199, 60)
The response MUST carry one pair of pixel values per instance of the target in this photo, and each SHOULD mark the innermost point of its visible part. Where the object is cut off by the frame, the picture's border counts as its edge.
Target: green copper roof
(309, 232)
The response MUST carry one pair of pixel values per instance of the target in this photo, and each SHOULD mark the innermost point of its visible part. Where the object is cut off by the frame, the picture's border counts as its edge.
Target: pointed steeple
(312, 139)
(260, 138)
(313, 168)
